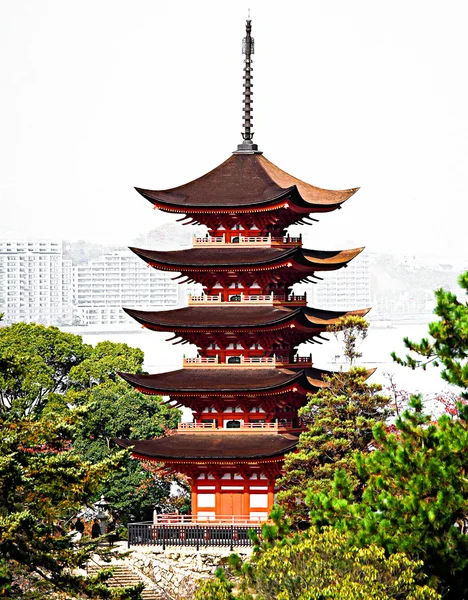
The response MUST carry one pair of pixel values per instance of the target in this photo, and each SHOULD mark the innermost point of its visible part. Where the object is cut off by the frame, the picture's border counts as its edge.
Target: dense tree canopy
(61, 403)
(321, 566)
(415, 498)
(46, 372)
(416, 489)
(42, 481)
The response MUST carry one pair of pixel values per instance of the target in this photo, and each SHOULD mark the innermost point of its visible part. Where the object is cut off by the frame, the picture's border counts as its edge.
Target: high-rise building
(248, 382)
(102, 286)
(346, 287)
(35, 282)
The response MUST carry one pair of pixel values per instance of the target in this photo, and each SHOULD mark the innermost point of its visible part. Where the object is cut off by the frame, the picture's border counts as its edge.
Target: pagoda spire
(247, 146)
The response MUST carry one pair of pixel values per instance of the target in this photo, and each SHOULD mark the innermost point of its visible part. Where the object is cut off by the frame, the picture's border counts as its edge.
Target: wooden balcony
(257, 299)
(177, 519)
(276, 427)
(256, 241)
(247, 361)
(229, 532)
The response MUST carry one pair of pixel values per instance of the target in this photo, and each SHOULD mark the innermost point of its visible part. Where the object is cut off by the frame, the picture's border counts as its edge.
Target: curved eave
(331, 260)
(170, 320)
(230, 381)
(274, 202)
(236, 259)
(290, 197)
(212, 446)
(208, 381)
(208, 318)
(243, 183)
(316, 381)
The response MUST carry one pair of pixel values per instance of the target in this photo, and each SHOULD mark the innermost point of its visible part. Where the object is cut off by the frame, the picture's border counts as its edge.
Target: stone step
(124, 576)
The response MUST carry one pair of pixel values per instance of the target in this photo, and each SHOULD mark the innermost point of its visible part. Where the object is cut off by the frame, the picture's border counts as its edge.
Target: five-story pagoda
(247, 383)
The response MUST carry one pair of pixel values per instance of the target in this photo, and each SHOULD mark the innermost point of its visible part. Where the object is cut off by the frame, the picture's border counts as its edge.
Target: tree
(415, 499)
(449, 344)
(320, 566)
(353, 330)
(46, 372)
(416, 490)
(115, 410)
(42, 479)
(35, 365)
(339, 419)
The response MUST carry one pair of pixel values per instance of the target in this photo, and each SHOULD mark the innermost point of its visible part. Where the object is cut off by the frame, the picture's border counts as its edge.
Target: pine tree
(448, 345)
(415, 499)
(339, 419)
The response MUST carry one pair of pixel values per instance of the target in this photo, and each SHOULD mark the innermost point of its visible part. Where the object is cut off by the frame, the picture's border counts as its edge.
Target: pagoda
(248, 381)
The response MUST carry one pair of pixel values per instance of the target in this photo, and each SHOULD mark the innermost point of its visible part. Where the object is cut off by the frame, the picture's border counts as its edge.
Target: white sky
(98, 96)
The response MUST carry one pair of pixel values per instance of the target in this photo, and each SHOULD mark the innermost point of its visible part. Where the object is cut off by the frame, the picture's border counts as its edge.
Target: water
(162, 356)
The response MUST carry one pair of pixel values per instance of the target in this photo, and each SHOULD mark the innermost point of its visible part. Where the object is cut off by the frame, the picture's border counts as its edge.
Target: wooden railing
(193, 427)
(247, 361)
(244, 298)
(265, 240)
(176, 518)
(200, 361)
(195, 535)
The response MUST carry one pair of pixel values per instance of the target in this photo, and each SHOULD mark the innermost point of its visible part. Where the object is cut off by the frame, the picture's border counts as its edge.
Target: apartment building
(120, 278)
(35, 282)
(344, 289)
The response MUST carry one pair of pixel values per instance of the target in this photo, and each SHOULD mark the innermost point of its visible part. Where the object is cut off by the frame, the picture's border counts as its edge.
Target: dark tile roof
(244, 180)
(228, 380)
(213, 446)
(234, 315)
(223, 256)
(233, 255)
(219, 379)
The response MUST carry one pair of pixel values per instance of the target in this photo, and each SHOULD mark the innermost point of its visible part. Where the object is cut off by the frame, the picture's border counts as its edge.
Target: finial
(247, 146)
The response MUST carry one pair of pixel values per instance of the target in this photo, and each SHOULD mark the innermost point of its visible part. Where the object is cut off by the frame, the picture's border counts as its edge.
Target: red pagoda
(247, 383)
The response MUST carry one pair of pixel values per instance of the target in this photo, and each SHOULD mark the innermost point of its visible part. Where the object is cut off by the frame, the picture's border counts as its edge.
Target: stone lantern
(102, 513)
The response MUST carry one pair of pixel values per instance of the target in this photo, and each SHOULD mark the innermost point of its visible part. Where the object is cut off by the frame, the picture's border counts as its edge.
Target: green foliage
(352, 329)
(41, 480)
(115, 410)
(319, 566)
(45, 372)
(415, 499)
(61, 403)
(339, 422)
(448, 345)
(35, 365)
(215, 589)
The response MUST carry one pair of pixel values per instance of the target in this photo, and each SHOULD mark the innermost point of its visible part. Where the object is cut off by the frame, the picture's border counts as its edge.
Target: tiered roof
(246, 191)
(233, 317)
(232, 257)
(228, 380)
(209, 446)
(246, 182)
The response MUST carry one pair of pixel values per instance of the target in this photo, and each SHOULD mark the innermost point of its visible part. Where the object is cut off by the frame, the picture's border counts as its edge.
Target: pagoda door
(231, 503)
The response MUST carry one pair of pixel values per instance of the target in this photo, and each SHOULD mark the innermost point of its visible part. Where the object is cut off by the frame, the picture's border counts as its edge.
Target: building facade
(118, 279)
(343, 288)
(35, 282)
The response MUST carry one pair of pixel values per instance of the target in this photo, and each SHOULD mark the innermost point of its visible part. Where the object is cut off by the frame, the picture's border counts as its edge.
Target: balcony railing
(282, 425)
(247, 361)
(253, 298)
(267, 240)
(225, 533)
